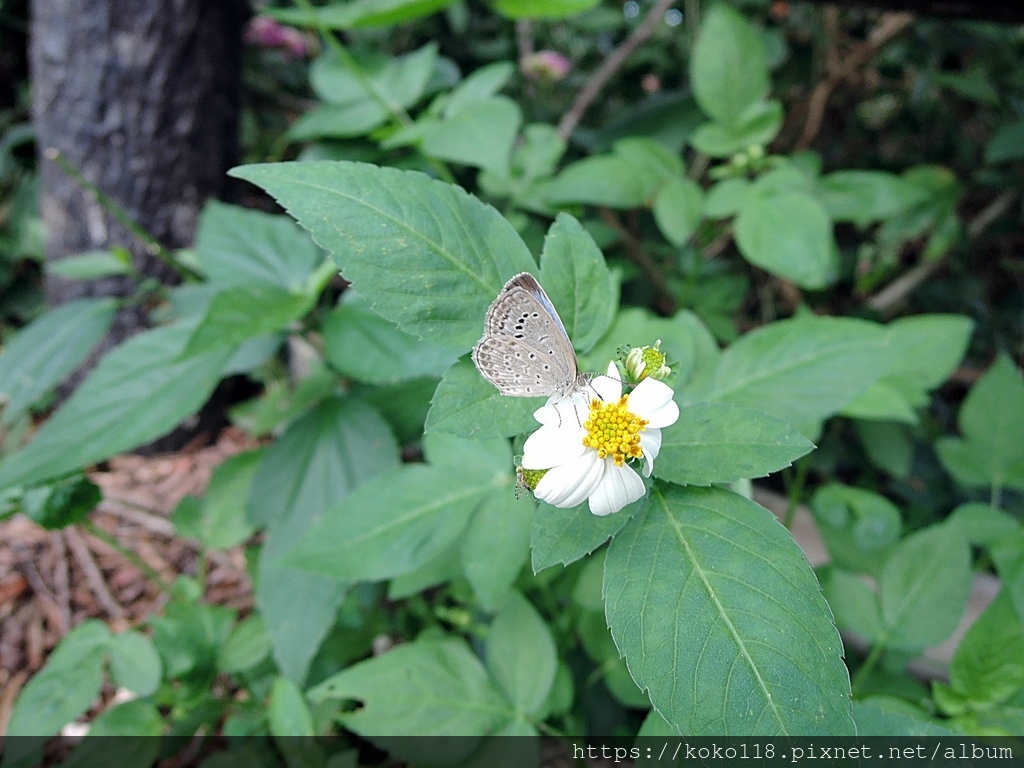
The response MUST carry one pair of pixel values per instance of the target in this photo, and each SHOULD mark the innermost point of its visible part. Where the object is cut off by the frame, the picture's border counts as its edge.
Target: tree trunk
(142, 97)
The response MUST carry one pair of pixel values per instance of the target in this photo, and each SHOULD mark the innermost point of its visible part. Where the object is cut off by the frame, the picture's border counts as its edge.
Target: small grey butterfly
(525, 351)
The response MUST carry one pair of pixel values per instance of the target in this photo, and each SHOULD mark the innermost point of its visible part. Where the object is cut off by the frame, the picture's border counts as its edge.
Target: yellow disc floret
(612, 430)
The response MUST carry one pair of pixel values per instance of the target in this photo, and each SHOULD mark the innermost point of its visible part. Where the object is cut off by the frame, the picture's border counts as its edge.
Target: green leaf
(992, 422)
(393, 524)
(360, 343)
(860, 528)
(359, 14)
(866, 196)
(726, 198)
(67, 684)
(757, 126)
(138, 392)
(521, 654)
(240, 313)
(430, 686)
(189, 633)
(44, 352)
(1006, 144)
(728, 71)
(579, 284)
(308, 471)
(881, 402)
(62, 503)
(565, 535)
(134, 663)
(287, 712)
(678, 209)
(247, 645)
(983, 525)
(237, 246)
(124, 735)
(788, 234)
(479, 134)
(924, 587)
(428, 257)
(721, 443)
(707, 592)
(988, 666)
(877, 717)
(90, 266)
(854, 604)
(468, 405)
(542, 9)
(888, 445)
(497, 545)
(223, 522)
(481, 84)
(628, 178)
(802, 369)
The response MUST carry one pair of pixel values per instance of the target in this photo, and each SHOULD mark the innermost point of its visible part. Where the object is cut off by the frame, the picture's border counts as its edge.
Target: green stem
(796, 491)
(153, 246)
(393, 108)
(995, 498)
(867, 667)
(132, 557)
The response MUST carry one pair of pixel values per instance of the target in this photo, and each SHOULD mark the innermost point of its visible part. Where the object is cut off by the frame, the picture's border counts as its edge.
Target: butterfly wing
(525, 351)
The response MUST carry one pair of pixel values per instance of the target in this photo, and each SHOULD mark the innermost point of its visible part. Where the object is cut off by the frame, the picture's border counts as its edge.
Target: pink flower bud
(545, 65)
(266, 32)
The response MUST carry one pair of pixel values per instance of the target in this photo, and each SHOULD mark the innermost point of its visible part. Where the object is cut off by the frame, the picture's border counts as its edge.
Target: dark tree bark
(142, 96)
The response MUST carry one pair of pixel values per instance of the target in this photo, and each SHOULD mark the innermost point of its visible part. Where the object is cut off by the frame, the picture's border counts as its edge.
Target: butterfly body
(525, 350)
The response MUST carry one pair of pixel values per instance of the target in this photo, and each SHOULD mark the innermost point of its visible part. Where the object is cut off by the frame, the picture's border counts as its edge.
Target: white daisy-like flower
(586, 441)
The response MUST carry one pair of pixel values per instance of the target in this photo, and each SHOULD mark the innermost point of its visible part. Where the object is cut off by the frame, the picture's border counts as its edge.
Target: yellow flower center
(612, 430)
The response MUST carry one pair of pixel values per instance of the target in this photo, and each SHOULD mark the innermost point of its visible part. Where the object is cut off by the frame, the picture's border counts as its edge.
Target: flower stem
(147, 570)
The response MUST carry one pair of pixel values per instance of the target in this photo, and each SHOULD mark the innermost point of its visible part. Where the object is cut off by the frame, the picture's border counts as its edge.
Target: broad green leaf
(788, 234)
(61, 503)
(481, 84)
(521, 654)
(360, 343)
(678, 209)
(1006, 144)
(983, 525)
(728, 71)
(860, 528)
(866, 196)
(924, 587)
(992, 422)
(878, 717)
(923, 351)
(287, 712)
(468, 405)
(566, 535)
(237, 246)
(224, 523)
(394, 523)
(854, 604)
(309, 470)
(240, 313)
(125, 735)
(542, 9)
(802, 369)
(707, 592)
(721, 443)
(1008, 554)
(188, 634)
(757, 126)
(44, 352)
(66, 686)
(429, 257)
(134, 663)
(497, 545)
(90, 266)
(726, 198)
(988, 666)
(358, 14)
(579, 284)
(628, 178)
(138, 392)
(888, 445)
(430, 686)
(480, 134)
(246, 646)
(444, 568)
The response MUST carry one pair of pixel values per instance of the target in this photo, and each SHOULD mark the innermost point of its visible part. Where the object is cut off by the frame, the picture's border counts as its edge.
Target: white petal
(609, 387)
(570, 484)
(652, 400)
(650, 443)
(551, 446)
(618, 487)
(547, 414)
